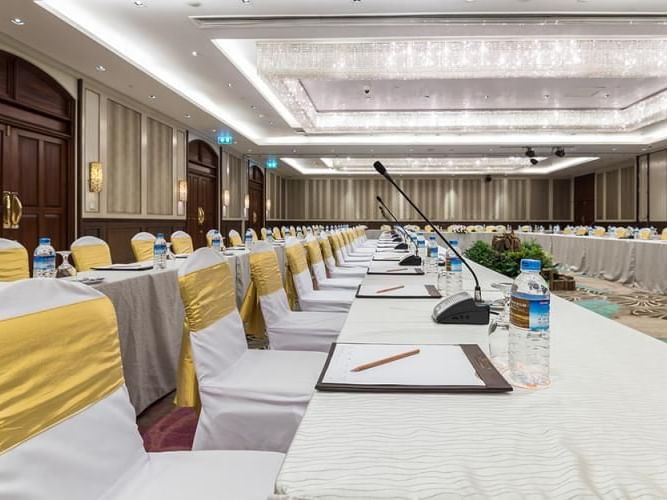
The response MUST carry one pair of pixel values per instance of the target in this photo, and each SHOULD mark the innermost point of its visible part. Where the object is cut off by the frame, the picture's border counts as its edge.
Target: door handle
(17, 211)
(6, 210)
(201, 216)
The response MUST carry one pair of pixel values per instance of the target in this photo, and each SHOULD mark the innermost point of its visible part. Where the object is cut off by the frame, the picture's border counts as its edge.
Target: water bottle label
(454, 264)
(433, 252)
(43, 262)
(160, 249)
(530, 312)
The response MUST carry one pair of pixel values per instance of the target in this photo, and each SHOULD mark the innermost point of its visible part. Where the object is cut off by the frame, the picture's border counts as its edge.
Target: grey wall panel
(611, 202)
(160, 170)
(540, 190)
(642, 189)
(628, 189)
(657, 192)
(124, 159)
(561, 200)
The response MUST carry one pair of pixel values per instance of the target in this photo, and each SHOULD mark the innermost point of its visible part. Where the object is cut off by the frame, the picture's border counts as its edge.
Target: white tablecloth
(598, 431)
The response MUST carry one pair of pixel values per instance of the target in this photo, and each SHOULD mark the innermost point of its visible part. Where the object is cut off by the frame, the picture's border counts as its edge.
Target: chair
(277, 235)
(316, 262)
(348, 254)
(235, 238)
(14, 264)
(181, 243)
(250, 399)
(292, 231)
(332, 269)
(309, 298)
(599, 231)
(69, 430)
(581, 231)
(286, 329)
(663, 235)
(645, 233)
(264, 233)
(254, 234)
(89, 252)
(142, 246)
(621, 232)
(341, 260)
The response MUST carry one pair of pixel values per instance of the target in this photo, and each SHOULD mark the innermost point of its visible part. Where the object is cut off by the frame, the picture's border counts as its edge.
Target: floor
(166, 427)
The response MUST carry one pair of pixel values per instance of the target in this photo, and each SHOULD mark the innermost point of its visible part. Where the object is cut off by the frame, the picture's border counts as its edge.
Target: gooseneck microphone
(407, 234)
(383, 171)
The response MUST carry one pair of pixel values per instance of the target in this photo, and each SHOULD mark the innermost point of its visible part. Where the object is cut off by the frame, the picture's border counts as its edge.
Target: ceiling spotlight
(152, 96)
(530, 152)
(139, 3)
(188, 115)
(18, 21)
(560, 152)
(547, 96)
(100, 68)
(229, 84)
(245, 1)
(195, 53)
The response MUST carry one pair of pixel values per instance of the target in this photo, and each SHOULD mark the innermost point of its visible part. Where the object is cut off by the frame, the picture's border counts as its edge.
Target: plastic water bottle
(269, 236)
(431, 265)
(421, 246)
(44, 260)
(248, 238)
(160, 252)
(528, 349)
(454, 270)
(216, 241)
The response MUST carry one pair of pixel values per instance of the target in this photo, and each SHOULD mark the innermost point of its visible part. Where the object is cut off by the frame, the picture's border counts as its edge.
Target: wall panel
(657, 192)
(561, 199)
(123, 159)
(159, 166)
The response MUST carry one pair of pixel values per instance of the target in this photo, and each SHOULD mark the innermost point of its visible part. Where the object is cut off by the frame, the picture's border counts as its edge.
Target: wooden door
(202, 204)
(256, 197)
(35, 170)
(584, 199)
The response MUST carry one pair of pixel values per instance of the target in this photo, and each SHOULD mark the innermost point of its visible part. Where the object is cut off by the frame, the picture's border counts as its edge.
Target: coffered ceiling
(425, 80)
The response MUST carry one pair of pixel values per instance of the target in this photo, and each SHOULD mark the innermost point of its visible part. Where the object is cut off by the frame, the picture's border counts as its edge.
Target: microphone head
(380, 168)
(379, 200)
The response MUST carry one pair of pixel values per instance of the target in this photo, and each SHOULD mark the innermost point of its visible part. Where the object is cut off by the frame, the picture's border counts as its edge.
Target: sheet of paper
(406, 291)
(131, 266)
(434, 365)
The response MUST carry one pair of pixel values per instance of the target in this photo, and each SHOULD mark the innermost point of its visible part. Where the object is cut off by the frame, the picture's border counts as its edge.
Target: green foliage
(508, 263)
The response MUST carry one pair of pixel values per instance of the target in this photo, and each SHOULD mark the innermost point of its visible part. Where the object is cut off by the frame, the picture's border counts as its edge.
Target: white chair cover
(320, 274)
(345, 271)
(97, 453)
(251, 399)
(142, 246)
(316, 300)
(295, 330)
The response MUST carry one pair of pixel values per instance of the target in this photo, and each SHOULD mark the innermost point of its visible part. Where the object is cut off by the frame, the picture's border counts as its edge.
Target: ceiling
(211, 76)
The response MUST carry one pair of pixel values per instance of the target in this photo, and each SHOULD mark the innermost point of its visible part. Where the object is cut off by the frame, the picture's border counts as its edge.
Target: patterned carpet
(165, 427)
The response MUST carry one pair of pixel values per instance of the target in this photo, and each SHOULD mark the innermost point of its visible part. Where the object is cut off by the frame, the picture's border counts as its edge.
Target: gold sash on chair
(14, 264)
(277, 235)
(182, 245)
(264, 233)
(335, 243)
(208, 296)
(55, 364)
(142, 249)
(265, 276)
(235, 240)
(88, 256)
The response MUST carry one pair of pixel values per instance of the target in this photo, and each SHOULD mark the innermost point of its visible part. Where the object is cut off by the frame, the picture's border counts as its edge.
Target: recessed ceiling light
(214, 130)
(100, 68)
(195, 53)
(253, 107)
(249, 150)
(294, 150)
(606, 96)
(188, 115)
(152, 96)
(260, 115)
(547, 96)
(139, 3)
(18, 21)
(245, 1)
(229, 84)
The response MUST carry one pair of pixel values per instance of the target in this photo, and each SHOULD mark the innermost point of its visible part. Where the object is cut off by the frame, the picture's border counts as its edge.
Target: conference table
(150, 317)
(597, 431)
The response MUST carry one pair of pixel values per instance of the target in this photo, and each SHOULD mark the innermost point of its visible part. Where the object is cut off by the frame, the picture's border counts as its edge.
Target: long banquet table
(597, 431)
(150, 322)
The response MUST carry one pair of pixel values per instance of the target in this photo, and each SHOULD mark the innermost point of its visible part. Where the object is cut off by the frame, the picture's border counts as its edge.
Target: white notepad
(435, 365)
(416, 291)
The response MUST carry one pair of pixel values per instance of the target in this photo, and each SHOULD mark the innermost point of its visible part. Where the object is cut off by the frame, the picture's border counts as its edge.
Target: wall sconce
(247, 201)
(225, 202)
(182, 191)
(268, 206)
(95, 177)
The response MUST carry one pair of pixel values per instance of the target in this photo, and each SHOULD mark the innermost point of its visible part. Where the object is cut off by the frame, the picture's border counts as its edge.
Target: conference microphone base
(410, 260)
(461, 309)
(401, 246)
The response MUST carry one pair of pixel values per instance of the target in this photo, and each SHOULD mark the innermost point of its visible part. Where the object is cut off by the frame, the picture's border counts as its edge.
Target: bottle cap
(45, 241)
(160, 235)
(531, 265)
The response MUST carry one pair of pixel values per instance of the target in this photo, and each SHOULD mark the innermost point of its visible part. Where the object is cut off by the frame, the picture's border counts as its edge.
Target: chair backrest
(264, 233)
(599, 231)
(292, 231)
(620, 232)
(14, 264)
(316, 259)
(663, 235)
(181, 243)
(267, 278)
(277, 235)
(645, 233)
(298, 264)
(235, 238)
(142, 246)
(88, 252)
(327, 252)
(209, 297)
(68, 428)
(254, 234)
